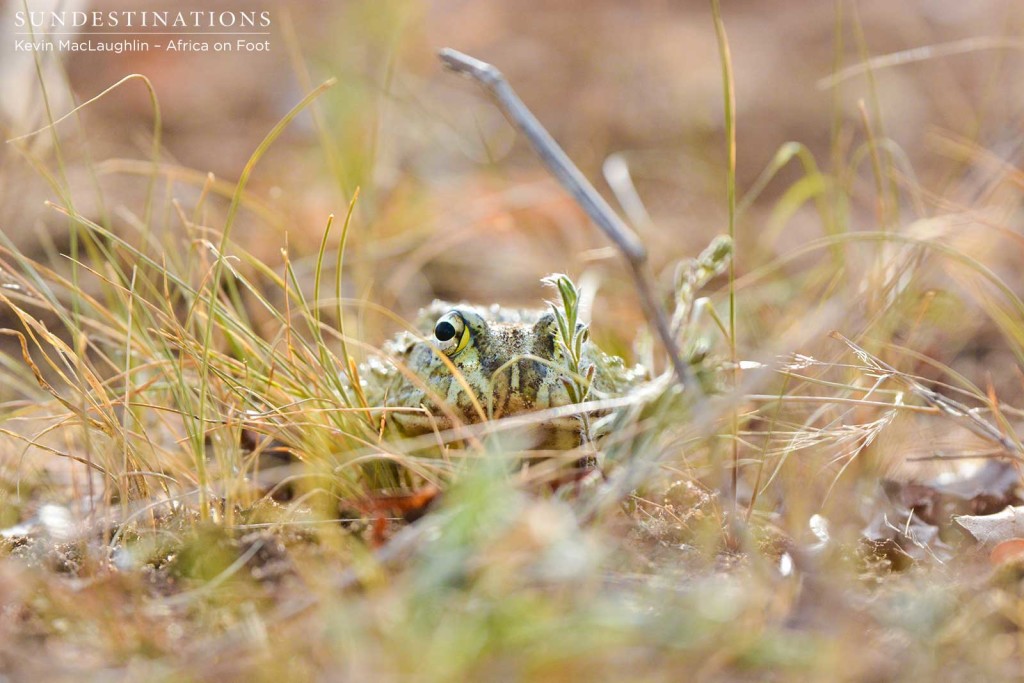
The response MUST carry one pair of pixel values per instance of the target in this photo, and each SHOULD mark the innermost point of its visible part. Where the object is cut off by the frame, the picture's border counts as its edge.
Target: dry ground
(878, 190)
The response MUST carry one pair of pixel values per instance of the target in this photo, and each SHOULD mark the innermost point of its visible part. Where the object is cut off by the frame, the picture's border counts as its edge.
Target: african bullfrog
(469, 364)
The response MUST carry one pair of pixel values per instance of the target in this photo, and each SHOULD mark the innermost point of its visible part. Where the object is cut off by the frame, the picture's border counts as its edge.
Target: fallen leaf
(903, 538)
(990, 530)
(987, 490)
(898, 532)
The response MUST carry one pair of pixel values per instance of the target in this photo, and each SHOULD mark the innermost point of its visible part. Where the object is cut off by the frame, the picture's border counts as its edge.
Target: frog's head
(475, 364)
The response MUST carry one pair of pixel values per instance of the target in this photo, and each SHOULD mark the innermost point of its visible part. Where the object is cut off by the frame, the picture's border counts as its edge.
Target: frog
(468, 363)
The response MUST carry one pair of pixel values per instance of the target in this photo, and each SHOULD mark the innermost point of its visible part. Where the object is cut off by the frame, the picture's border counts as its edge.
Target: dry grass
(156, 317)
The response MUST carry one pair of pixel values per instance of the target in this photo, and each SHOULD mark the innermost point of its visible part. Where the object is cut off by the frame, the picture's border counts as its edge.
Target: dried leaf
(410, 505)
(901, 533)
(990, 530)
(898, 532)
(987, 490)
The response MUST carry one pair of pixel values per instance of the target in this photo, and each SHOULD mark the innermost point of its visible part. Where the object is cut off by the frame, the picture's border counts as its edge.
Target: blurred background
(878, 183)
(454, 204)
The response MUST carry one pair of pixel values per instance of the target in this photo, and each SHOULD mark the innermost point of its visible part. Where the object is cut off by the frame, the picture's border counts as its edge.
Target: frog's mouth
(526, 385)
(520, 383)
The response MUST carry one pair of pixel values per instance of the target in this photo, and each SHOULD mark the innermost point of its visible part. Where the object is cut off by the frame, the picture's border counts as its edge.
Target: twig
(581, 190)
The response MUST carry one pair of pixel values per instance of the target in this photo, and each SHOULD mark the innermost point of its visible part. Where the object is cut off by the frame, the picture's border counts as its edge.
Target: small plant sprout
(572, 335)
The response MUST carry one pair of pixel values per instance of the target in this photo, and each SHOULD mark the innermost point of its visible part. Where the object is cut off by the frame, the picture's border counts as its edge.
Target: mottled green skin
(511, 365)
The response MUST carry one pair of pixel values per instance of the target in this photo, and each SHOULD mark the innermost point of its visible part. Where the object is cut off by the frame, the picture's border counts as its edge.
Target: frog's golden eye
(451, 333)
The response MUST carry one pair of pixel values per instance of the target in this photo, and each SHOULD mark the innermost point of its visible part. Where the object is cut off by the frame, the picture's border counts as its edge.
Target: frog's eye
(451, 333)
